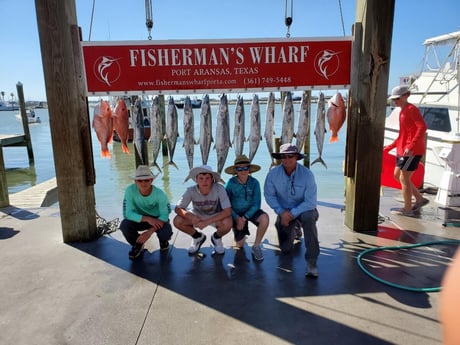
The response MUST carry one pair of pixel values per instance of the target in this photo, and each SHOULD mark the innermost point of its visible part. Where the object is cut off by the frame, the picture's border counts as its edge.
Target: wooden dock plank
(41, 195)
(12, 139)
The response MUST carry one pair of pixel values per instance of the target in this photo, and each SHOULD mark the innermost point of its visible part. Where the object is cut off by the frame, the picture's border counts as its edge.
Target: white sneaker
(218, 246)
(257, 253)
(196, 244)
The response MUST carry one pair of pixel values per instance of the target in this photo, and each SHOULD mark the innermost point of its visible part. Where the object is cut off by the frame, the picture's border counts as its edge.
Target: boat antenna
(341, 17)
(91, 23)
(148, 17)
(288, 19)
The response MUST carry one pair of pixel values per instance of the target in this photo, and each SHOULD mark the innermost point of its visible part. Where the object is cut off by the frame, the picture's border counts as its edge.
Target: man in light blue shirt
(290, 190)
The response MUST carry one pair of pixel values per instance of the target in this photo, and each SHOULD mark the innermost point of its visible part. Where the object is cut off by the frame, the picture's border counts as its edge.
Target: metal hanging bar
(149, 17)
(288, 19)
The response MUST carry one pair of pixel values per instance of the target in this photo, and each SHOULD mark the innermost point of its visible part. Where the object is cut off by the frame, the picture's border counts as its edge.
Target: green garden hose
(409, 288)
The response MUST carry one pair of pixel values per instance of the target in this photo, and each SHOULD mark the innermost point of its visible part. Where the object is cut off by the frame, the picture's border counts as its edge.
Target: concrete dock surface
(91, 293)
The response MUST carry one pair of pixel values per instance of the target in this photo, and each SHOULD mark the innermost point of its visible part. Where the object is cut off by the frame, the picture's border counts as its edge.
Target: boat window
(436, 119)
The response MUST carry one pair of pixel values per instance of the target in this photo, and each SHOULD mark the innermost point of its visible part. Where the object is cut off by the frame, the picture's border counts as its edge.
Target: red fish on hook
(103, 125)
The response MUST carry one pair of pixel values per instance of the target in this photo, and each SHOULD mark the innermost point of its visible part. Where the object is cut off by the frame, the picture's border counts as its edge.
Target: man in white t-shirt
(210, 206)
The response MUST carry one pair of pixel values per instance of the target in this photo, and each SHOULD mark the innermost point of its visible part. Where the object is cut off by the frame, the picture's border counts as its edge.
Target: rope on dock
(105, 227)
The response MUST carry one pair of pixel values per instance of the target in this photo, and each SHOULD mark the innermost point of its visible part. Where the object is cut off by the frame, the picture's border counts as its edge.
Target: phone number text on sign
(266, 80)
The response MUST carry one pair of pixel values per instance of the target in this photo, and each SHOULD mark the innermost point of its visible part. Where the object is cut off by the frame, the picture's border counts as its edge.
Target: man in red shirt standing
(410, 147)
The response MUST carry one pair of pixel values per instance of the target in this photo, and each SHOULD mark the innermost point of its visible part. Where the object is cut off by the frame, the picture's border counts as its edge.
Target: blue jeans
(286, 234)
(131, 230)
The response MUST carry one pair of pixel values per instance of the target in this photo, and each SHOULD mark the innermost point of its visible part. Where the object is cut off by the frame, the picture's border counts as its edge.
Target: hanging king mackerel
(320, 129)
(172, 131)
(138, 131)
(205, 129)
(303, 128)
(270, 122)
(255, 132)
(287, 129)
(238, 131)
(189, 131)
(222, 133)
(156, 130)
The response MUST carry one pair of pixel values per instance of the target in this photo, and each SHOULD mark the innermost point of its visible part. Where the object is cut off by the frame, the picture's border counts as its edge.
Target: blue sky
(121, 20)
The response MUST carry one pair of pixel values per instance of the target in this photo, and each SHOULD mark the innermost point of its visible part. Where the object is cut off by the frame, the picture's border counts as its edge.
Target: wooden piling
(69, 118)
(4, 198)
(367, 112)
(25, 122)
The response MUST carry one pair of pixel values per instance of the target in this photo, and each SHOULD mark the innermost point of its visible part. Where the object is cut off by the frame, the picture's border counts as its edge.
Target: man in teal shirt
(290, 190)
(145, 209)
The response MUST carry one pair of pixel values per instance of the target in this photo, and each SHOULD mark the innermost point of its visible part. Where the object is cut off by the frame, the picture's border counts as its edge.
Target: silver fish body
(303, 128)
(156, 130)
(138, 130)
(238, 131)
(189, 131)
(222, 133)
(320, 129)
(172, 131)
(205, 129)
(287, 129)
(270, 122)
(255, 128)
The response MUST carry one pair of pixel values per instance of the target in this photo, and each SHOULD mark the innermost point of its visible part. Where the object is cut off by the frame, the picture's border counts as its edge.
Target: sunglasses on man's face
(145, 181)
(245, 168)
(291, 155)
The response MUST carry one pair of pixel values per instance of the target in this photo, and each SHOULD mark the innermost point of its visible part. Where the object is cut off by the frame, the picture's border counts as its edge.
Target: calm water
(113, 175)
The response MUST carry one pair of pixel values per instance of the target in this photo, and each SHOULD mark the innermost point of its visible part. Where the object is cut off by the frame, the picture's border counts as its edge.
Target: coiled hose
(404, 287)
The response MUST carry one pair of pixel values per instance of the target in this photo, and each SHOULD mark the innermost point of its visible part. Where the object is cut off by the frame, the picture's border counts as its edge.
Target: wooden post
(367, 112)
(69, 118)
(25, 122)
(4, 197)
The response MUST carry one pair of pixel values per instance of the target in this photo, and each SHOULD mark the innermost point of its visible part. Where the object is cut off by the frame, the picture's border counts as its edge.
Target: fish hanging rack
(149, 17)
(288, 19)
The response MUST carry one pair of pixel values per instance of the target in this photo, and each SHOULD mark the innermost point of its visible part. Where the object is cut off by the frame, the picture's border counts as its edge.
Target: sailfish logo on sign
(327, 63)
(107, 69)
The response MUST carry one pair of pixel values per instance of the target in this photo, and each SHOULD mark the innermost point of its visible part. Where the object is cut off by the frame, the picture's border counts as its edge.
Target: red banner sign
(211, 65)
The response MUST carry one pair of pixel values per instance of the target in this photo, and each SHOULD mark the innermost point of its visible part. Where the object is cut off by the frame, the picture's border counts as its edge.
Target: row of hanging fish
(105, 121)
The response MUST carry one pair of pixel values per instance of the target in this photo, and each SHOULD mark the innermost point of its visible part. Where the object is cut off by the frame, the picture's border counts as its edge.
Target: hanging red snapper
(336, 115)
(121, 123)
(102, 124)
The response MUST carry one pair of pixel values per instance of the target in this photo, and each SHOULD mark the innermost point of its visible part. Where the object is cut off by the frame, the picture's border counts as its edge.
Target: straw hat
(241, 160)
(143, 172)
(204, 169)
(287, 149)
